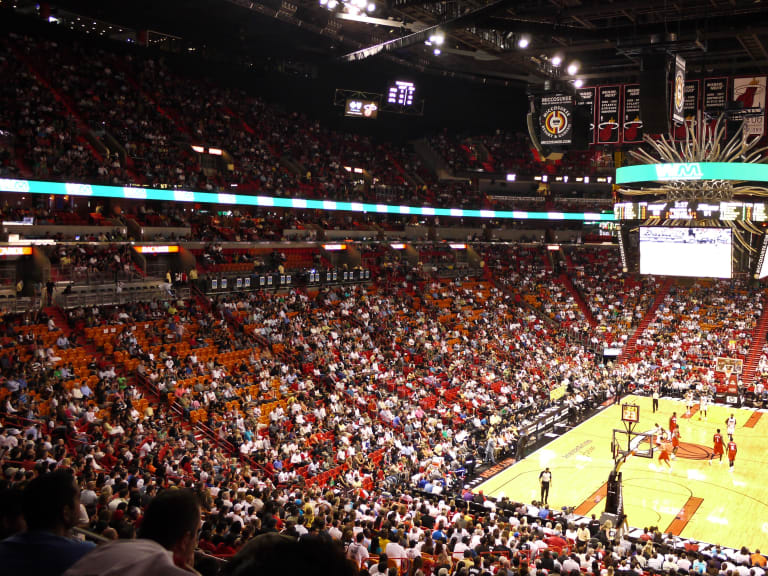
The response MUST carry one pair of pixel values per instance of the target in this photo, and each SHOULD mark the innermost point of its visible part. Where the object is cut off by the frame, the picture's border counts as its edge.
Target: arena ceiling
(607, 38)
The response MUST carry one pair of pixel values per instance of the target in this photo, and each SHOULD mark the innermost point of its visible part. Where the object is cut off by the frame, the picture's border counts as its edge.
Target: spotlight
(557, 60)
(332, 4)
(524, 41)
(573, 68)
(438, 38)
(371, 7)
(578, 82)
(323, 2)
(437, 52)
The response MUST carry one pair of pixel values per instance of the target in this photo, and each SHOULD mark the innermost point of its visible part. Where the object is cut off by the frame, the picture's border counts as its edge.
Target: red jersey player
(731, 454)
(675, 441)
(672, 422)
(717, 446)
(666, 448)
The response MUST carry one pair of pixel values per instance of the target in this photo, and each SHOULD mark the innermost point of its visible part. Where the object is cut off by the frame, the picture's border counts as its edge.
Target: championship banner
(678, 91)
(556, 120)
(608, 115)
(748, 103)
(714, 101)
(690, 111)
(632, 127)
(585, 98)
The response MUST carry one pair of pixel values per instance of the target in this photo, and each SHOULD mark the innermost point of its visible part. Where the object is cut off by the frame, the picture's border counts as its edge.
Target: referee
(545, 479)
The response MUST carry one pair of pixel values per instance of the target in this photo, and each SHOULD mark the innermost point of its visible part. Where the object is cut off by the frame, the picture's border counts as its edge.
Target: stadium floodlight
(438, 38)
(524, 41)
(556, 60)
(578, 82)
(371, 7)
(332, 4)
(437, 52)
(573, 68)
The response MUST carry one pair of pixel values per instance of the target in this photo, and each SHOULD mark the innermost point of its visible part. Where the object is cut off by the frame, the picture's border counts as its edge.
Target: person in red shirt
(717, 446)
(675, 441)
(731, 454)
(672, 422)
(666, 448)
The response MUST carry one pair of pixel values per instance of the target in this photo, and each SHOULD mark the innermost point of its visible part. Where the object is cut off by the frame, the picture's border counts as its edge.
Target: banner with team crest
(748, 103)
(632, 127)
(608, 115)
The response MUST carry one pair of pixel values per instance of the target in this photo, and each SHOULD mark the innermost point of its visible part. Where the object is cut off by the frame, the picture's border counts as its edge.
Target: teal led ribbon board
(128, 193)
(692, 171)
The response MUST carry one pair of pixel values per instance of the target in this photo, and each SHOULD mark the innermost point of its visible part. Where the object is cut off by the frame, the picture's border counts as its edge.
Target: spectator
(166, 544)
(51, 506)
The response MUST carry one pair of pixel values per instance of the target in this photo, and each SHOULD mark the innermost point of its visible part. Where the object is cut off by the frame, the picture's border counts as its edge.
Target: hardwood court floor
(694, 500)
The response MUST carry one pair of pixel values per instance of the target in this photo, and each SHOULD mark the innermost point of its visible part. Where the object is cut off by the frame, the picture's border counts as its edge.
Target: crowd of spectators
(353, 413)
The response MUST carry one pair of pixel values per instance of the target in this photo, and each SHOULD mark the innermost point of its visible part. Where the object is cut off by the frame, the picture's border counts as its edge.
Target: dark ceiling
(609, 39)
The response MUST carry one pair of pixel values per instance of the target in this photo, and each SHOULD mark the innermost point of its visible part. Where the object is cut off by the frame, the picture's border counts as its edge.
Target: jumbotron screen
(696, 252)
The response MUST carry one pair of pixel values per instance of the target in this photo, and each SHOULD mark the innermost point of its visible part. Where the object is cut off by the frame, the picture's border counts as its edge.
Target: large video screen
(697, 252)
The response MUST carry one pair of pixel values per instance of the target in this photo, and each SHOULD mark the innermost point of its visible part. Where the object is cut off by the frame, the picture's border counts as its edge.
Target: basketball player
(730, 426)
(703, 402)
(672, 422)
(657, 432)
(675, 442)
(689, 403)
(666, 447)
(717, 447)
(731, 454)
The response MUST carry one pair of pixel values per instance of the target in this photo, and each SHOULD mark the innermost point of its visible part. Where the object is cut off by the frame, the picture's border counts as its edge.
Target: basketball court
(693, 500)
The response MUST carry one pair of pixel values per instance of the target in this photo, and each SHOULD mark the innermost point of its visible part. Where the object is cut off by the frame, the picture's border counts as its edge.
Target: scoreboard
(689, 210)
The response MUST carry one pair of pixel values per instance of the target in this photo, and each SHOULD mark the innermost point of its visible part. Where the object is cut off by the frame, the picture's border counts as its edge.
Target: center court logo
(687, 171)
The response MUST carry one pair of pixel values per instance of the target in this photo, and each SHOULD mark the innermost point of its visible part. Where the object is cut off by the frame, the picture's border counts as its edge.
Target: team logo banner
(608, 115)
(678, 91)
(748, 102)
(632, 127)
(586, 99)
(690, 110)
(714, 101)
(556, 119)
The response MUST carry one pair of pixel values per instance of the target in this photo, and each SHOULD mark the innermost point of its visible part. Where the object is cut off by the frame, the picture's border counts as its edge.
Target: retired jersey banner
(585, 98)
(556, 120)
(714, 101)
(608, 115)
(678, 91)
(748, 102)
(690, 111)
(632, 127)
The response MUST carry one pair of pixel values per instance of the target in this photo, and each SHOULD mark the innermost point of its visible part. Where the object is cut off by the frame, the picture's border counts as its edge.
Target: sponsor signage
(678, 91)
(556, 120)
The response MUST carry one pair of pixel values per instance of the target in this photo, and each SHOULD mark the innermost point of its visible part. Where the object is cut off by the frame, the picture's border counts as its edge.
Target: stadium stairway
(565, 280)
(756, 345)
(59, 319)
(631, 345)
